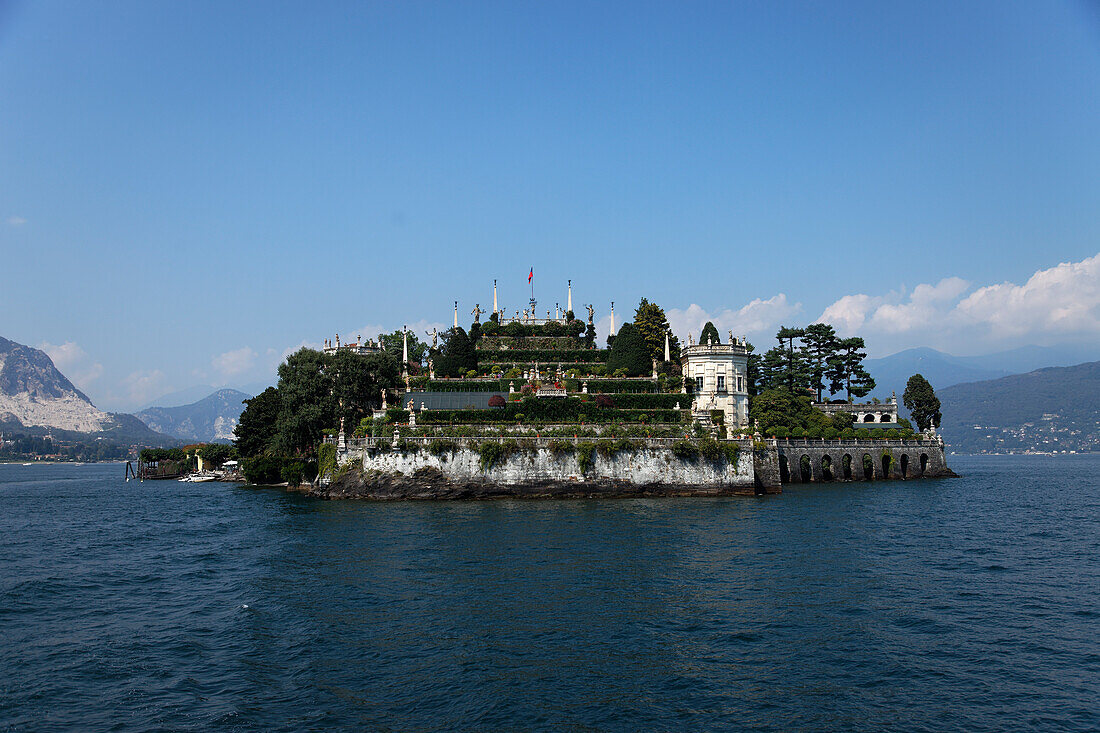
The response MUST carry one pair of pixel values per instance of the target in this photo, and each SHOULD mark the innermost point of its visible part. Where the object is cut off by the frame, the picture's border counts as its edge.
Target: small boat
(28, 464)
(200, 478)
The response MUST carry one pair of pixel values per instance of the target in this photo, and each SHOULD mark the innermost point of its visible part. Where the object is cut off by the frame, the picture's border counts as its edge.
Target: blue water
(939, 605)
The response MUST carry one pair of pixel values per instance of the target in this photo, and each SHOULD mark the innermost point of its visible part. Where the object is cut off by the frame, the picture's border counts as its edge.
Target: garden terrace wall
(539, 465)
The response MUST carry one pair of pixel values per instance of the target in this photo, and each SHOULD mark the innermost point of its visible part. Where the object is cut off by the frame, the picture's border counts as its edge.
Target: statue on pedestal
(477, 312)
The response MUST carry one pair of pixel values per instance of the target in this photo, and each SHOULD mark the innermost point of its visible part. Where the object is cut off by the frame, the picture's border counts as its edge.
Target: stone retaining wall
(907, 460)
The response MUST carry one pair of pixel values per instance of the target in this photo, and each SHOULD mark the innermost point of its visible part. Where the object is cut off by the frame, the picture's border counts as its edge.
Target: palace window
(740, 384)
(721, 383)
(698, 384)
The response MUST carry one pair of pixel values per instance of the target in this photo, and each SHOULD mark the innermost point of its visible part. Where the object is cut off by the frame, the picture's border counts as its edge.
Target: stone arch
(846, 466)
(904, 464)
(868, 467)
(784, 470)
(923, 463)
(827, 468)
(887, 461)
(869, 417)
(805, 469)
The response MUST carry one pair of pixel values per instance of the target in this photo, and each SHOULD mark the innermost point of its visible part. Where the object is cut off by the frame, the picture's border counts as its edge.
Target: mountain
(1057, 408)
(210, 419)
(37, 398)
(944, 370)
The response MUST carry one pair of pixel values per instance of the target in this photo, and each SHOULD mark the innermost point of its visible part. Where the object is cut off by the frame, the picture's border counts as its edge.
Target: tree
(475, 333)
(307, 405)
(255, 431)
(819, 345)
(921, 401)
(652, 324)
(590, 336)
(775, 408)
(215, 454)
(711, 331)
(630, 352)
(752, 370)
(496, 401)
(456, 355)
(845, 369)
(358, 381)
(417, 348)
(794, 375)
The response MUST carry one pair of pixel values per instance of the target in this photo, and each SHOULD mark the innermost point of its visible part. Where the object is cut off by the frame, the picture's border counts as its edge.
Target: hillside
(36, 398)
(1057, 408)
(210, 419)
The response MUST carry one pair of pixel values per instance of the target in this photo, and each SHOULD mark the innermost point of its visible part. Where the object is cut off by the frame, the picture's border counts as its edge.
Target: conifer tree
(652, 324)
(630, 352)
(819, 345)
(711, 331)
(921, 401)
(845, 369)
(456, 355)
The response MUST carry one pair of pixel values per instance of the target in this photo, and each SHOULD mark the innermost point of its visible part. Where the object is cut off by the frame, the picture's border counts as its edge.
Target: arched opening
(869, 417)
(757, 484)
(805, 469)
(868, 468)
(923, 463)
(887, 460)
(826, 468)
(784, 470)
(884, 418)
(846, 466)
(904, 464)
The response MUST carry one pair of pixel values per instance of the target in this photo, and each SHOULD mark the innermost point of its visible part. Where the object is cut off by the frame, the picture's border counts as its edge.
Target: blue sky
(188, 190)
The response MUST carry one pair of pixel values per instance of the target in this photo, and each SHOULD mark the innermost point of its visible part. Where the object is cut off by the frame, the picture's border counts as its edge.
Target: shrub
(848, 433)
(605, 448)
(781, 432)
(585, 449)
(561, 447)
(440, 446)
(490, 452)
(830, 433)
(877, 433)
(685, 450)
(604, 400)
(863, 433)
(262, 469)
(326, 458)
(293, 472)
(497, 401)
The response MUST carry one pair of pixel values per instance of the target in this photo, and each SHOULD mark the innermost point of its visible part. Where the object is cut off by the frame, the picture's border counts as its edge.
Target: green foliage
(777, 407)
(630, 352)
(709, 331)
(585, 449)
(685, 450)
(394, 343)
(293, 472)
(326, 459)
(440, 446)
(561, 447)
(551, 356)
(652, 325)
(151, 455)
(921, 401)
(255, 431)
(491, 452)
(263, 470)
(845, 369)
(843, 420)
(456, 354)
(819, 348)
(905, 424)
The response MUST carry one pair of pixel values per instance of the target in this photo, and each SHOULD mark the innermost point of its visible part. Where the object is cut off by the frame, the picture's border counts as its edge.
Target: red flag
(530, 274)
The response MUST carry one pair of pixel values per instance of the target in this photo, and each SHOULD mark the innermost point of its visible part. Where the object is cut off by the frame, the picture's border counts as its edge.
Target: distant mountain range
(1052, 409)
(210, 419)
(944, 370)
(36, 398)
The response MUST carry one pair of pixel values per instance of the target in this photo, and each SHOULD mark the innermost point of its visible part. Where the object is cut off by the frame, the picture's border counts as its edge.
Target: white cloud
(72, 361)
(16, 221)
(142, 386)
(233, 363)
(1061, 301)
(758, 316)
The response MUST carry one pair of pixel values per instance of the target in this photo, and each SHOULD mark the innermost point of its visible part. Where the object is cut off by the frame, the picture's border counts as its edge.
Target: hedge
(649, 401)
(618, 386)
(528, 356)
(529, 413)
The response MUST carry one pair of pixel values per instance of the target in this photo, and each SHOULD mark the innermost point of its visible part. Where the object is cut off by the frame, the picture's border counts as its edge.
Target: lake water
(965, 604)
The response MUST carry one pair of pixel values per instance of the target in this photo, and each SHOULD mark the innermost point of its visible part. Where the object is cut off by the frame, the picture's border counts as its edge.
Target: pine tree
(845, 369)
(795, 377)
(819, 345)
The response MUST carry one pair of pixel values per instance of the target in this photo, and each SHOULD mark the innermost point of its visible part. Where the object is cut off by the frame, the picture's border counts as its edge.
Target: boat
(28, 464)
(203, 478)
